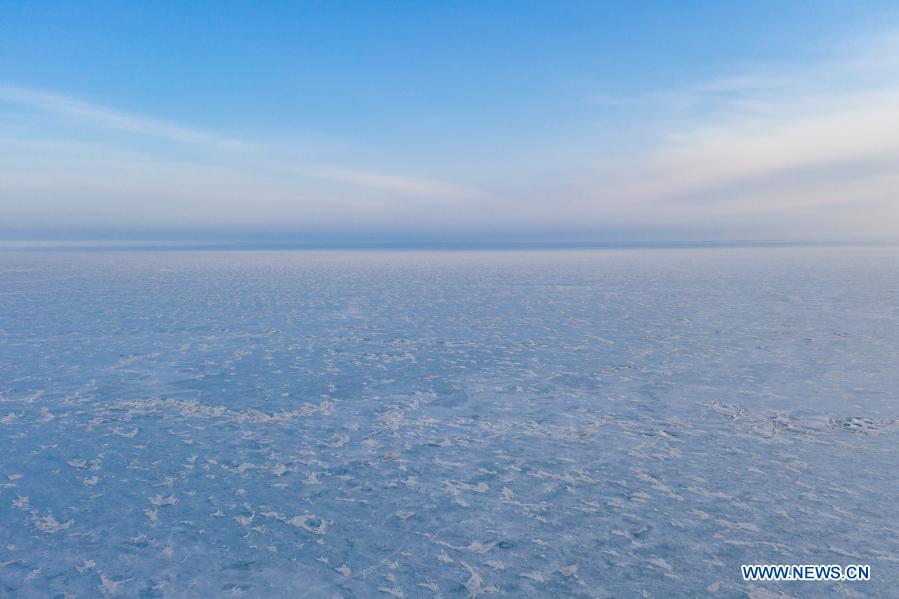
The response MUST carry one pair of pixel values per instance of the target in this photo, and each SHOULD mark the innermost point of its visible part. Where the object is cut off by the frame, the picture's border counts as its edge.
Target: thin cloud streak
(110, 118)
(90, 165)
(394, 183)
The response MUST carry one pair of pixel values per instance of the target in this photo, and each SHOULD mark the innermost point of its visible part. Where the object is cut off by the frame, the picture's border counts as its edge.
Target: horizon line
(85, 245)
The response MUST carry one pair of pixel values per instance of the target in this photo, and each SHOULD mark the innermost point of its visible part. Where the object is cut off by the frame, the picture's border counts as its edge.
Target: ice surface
(609, 423)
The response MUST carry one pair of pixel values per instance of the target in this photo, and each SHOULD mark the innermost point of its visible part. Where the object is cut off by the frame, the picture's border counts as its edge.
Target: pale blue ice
(603, 423)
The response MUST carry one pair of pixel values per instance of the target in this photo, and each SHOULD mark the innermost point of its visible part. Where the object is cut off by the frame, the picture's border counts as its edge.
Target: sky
(416, 121)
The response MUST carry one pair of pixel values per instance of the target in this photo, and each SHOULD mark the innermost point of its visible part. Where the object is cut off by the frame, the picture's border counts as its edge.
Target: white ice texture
(612, 423)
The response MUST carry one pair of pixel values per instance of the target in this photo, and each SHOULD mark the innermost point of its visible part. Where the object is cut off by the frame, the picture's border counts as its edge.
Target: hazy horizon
(263, 243)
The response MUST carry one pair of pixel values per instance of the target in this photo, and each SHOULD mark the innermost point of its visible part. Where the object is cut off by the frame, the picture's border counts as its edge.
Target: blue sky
(555, 121)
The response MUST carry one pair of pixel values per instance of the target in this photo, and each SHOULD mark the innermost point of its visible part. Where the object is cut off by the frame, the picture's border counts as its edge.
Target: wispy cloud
(53, 176)
(810, 150)
(393, 183)
(110, 118)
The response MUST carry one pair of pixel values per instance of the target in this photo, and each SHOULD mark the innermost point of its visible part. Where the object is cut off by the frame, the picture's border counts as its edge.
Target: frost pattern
(610, 423)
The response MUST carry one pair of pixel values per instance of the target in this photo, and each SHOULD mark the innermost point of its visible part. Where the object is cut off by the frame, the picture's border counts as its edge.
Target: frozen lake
(598, 423)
